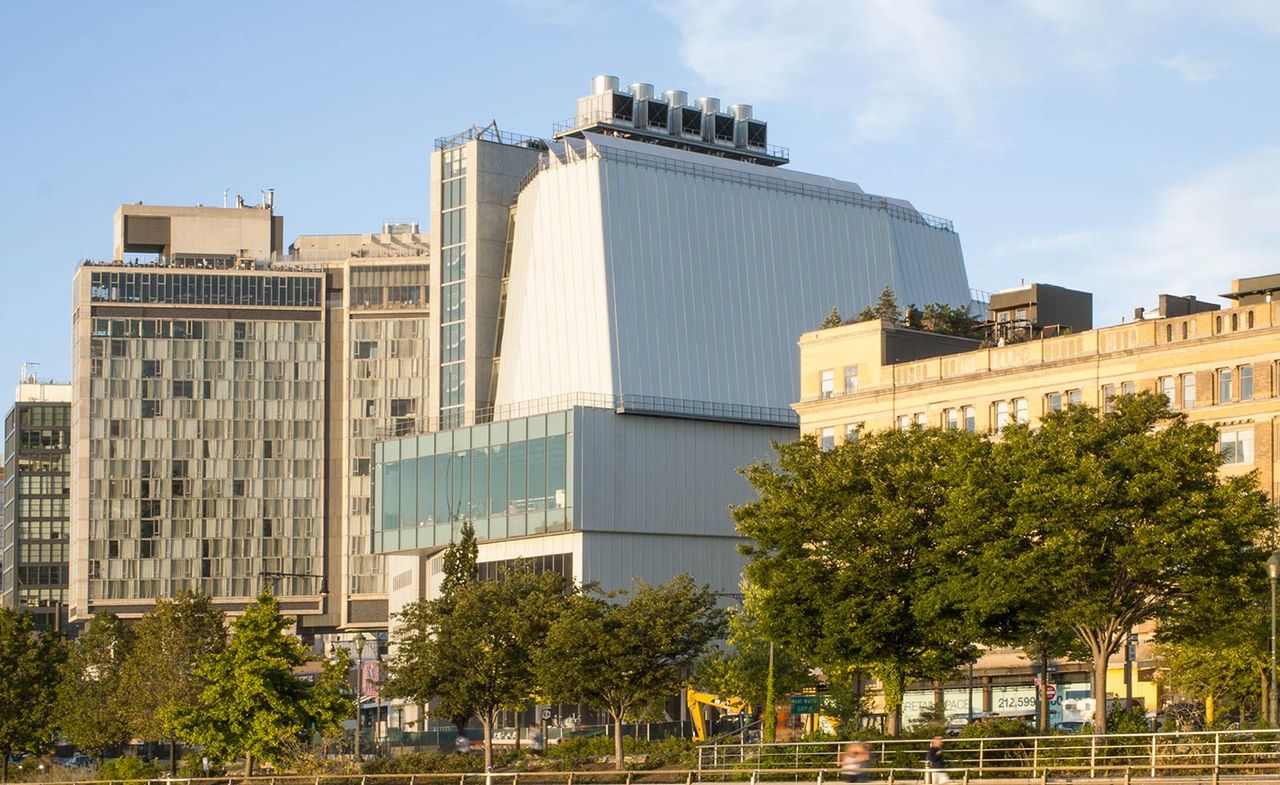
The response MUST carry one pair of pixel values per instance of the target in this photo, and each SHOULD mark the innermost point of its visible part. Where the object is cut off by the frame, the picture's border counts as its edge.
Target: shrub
(130, 768)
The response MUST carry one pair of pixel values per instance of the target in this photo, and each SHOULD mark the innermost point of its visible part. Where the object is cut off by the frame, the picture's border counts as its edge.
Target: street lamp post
(359, 641)
(1273, 572)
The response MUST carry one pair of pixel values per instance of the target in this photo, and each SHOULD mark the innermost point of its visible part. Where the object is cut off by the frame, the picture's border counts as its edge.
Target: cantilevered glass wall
(510, 479)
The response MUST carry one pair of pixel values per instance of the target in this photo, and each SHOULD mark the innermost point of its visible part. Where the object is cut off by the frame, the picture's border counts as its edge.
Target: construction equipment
(733, 706)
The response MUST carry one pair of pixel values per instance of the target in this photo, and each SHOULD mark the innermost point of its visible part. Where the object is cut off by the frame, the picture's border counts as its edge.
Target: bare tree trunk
(617, 740)
(486, 723)
(248, 764)
(1100, 690)
(173, 757)
(518, 718)
(4, 768)
(1044, 692)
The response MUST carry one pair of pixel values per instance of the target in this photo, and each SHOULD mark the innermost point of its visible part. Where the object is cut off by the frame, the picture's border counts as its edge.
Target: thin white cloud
(898, 64)
(1198, 234)
(1193, 69)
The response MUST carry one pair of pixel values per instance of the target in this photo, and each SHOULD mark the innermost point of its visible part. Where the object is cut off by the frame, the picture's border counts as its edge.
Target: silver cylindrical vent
(642, 90)
(740, 111)
(604, 84)
(676, 97)
(709, 105)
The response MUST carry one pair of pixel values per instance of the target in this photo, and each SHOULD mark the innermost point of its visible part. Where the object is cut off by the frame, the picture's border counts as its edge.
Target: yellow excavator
(731, 706)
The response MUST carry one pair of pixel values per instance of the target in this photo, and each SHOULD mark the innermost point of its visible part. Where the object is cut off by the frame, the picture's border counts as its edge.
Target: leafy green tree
(832, 320)
(745, 667)
(846, 553)
(627, 656)
(886, 307)
(252, 703)
(159, 679)
(942, 318)
(460, 561)
(30, 664)
(90, 709)
(331, 702)
(1230, 672)
(1107, 522)
(472, 651)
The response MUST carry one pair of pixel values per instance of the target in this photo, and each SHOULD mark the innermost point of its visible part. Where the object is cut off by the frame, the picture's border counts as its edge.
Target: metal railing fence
(1238, 752)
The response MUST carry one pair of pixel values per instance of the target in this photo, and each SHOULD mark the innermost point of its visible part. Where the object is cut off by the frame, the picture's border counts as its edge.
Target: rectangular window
(922, 420)
(904, 422)
(1188, 390)
(1108, 398)
(1167, 385)
(1245, 372)
(827, 438)
(1128, 388)
(852, 431)
(1074, 398)
(1020, 410)
(827, 384)
(850, 379)
(970, 422)
(1236, 445)
(1001, 415)
(951, 419)
(1053, 402)
(1224, 385)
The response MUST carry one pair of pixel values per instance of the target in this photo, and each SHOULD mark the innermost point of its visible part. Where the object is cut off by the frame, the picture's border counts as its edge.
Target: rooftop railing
(489, 133)
(598, 116)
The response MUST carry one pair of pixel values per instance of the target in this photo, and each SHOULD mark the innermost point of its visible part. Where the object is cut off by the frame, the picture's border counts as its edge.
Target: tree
(90, 705)
(628, 656)
(159, 680)
(1119, 519)
(472, 651)
(846, 555)
(886, 307)
(832, 320)
(30, 664)
(252, 703)
(460, 561)
(747, 669)
(331, 701)
(942, 318)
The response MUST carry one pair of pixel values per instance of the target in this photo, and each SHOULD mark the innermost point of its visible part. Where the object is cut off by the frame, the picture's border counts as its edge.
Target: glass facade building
(33, 553)
(509, 478)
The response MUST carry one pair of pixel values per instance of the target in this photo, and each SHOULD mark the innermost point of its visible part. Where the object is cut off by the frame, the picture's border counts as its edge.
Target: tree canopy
(627, 655)
(472, 650)
(91, 711)
(30, 666)
(252, 703)
(159, 681)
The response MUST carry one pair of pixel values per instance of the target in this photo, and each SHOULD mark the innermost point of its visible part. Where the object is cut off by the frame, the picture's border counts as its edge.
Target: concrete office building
(617, 310)
(33, 537)
(226, 395)
(1217, 365)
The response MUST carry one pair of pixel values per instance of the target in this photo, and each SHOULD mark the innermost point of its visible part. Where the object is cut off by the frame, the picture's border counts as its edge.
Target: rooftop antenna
(225, 193)
(29, 373)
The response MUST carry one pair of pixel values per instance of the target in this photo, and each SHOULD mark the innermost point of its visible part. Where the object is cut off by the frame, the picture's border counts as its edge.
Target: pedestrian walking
(854, 762)
(936, 763)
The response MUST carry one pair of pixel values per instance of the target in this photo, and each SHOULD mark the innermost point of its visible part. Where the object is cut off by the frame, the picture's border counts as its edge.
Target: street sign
(805, 704)
(1050, 691)
(546, 714)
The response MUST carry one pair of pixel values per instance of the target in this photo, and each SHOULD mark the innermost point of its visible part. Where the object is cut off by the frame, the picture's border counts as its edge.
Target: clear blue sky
(1124, 148)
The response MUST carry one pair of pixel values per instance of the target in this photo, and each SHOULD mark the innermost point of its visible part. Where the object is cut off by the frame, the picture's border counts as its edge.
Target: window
(1074, 398)
(1128, 388)
(1020, 410)
(1217, 324)
(970, 423)
(1001, 415)
(1224, 385)
(1053, 402)
(1184, 331)
(1188, 390)
(852, 431)
(1248, 320)
(922, 420)
(850, 379)
(1236, 445)
(1245, 373)
(1235, 322)
(1108, 398)
(1167, 389)
(1168, 333)
(904, 422)
(828, 438)
(827, 384)
(951, 419)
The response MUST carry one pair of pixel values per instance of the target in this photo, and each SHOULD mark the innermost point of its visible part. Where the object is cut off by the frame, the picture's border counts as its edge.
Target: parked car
(78, 761)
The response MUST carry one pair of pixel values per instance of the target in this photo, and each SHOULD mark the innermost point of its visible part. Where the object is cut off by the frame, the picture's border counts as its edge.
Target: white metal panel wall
(709, 281)
(663, 476)
(616, 560)
(556, 334)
